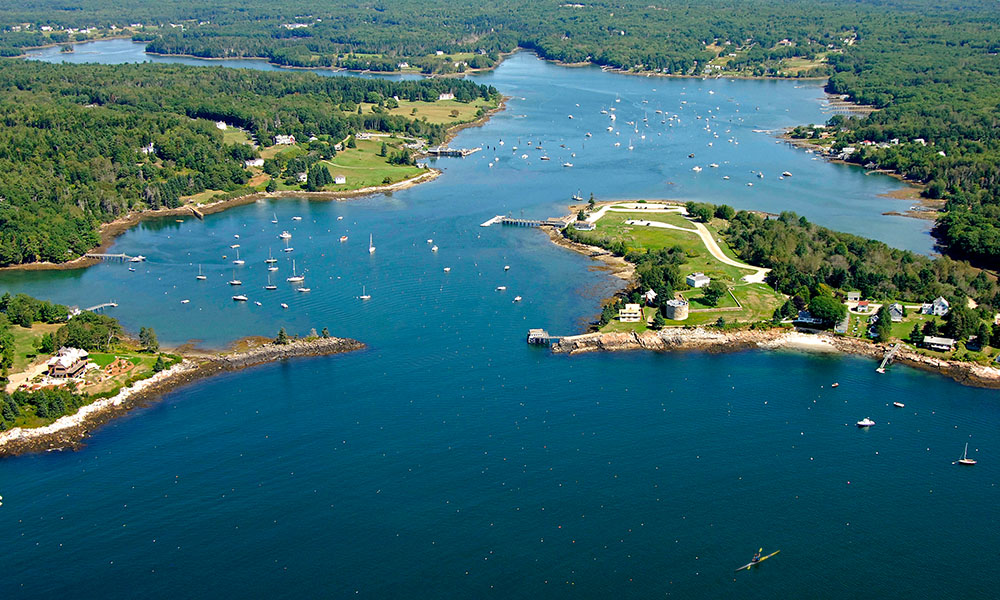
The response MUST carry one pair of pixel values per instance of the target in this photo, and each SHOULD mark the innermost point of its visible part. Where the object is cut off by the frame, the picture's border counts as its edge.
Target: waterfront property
(68, 362)
(631, 313)
(677, 310)
(896, 312)
(853, 296)
(941, 344)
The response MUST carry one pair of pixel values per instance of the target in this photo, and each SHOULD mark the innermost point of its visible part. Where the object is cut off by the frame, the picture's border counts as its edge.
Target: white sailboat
(274, 218)
(235, 281)
(200, 276)
(293, 278)
(270, 286)
(371, 244)
(270, 259)
(965, 460)
(238, 261)
(364, 294)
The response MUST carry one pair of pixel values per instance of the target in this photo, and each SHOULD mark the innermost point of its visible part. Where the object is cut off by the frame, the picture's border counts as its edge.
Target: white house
(362, 135)
(254, 162)
(632, 313)
(853, 296)
(698, 280)
(303, 177)
(150, 149)
(403, 65)
(649, 297)
(340, 179)
(446, 96)
(941, 344)
(939, 307)
(284, 140)
(221, 125)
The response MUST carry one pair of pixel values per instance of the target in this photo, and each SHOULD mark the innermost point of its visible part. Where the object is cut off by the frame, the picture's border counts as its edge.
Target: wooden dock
(540, 337)
(446, 151)
(100, 307)
(888, 358)
(119, 257)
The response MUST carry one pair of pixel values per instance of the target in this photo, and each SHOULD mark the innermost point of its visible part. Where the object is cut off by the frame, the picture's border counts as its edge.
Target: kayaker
(756, 557)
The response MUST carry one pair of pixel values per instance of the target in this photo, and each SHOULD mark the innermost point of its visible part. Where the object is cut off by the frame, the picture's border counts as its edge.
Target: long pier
(119, 257)
(98, 307)
(520, 222)
(446, 151)
(888, 358)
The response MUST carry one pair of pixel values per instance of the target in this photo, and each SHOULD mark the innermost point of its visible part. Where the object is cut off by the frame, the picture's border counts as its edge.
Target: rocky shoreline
(70, 431)
(711, 340)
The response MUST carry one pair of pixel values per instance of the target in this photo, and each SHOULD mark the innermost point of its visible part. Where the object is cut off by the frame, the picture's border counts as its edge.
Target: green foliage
(147, 339)
(48, 403)
(282, 337)
(89, 331)
(961, 322)
(700, 211)
(85, 144)
(24, 310)
(883, 326)
(803, 256)
(159, 365)
(713, 292)
(658, 321)
(827, 308)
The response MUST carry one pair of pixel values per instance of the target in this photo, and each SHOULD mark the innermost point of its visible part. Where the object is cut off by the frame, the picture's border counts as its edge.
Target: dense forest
(931, 67)
(85, 144)
(803, 255)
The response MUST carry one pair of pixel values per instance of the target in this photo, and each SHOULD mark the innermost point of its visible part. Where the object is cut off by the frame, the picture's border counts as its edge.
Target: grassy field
(442, 111)
(758, 300)
(613, 226)
(363, 167)
(24, 343)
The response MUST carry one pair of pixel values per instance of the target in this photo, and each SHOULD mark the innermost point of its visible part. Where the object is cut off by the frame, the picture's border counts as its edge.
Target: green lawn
(24, 343)
(441, 111)
(363, 167)
(613, 226)
(616, 326)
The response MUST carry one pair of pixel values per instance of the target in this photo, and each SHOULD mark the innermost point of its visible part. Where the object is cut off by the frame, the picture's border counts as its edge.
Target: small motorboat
(865, 423)
(434, 248)
(517, 298)
(272, 269)
(567, 164)
(285, 235)
(258, 304)
(131, 269)
(283, 305)
(501, 288)
(835, 384)
(899, 405)
(430, 241)
(506, 267)
(234, 246)
(296, 218)
(447, 269)
(303, 289)
(341, 218)
(343, 239)
(288, 249)
(786, 174)
(240, 298)
(185, 301)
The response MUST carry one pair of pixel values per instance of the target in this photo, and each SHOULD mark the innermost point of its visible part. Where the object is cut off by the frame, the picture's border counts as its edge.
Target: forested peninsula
(86, 144)
(930, 67)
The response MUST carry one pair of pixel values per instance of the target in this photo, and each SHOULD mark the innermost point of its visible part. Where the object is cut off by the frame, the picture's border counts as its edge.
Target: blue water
(450, 460)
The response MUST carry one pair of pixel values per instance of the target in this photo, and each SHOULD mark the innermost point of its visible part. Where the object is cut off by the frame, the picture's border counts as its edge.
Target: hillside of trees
(84, 144)
(931, 67)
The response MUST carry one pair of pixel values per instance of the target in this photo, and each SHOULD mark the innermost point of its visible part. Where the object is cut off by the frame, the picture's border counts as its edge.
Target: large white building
(698, 280)
(632, 313)
(939, 307)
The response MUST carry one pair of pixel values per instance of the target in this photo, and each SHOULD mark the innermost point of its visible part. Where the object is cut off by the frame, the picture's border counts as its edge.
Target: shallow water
(451, 460)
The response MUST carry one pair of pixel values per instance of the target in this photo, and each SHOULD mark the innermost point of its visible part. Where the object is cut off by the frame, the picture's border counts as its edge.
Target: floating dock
(446, 151)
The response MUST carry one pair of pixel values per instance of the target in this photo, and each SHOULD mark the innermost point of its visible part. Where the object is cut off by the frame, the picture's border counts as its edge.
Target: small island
(66, 371)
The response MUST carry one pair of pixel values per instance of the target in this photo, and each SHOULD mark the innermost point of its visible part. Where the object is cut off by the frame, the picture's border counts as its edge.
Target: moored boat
(965, 460)
(865, 423)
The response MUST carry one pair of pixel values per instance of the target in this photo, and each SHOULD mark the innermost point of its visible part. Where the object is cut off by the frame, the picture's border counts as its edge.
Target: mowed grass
(363, 167)
(637, 237)
(442, 111)
(24, 343)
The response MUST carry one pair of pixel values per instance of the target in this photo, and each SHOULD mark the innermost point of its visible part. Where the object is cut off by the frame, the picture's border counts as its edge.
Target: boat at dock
(965, 460)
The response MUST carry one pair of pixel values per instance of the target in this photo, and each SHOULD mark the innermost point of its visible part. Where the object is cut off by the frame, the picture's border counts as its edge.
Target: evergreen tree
(282, 337)
(159, 365)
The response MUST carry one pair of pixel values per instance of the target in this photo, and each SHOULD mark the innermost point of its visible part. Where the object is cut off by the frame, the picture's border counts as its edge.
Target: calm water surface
(449, 460)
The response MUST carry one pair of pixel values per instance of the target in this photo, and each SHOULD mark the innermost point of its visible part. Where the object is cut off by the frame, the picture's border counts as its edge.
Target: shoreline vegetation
(735, 336)
(69, 432)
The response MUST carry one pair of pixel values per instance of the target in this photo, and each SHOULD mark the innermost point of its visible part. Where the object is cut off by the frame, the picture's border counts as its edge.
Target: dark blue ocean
(450, 460)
